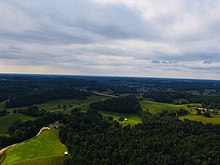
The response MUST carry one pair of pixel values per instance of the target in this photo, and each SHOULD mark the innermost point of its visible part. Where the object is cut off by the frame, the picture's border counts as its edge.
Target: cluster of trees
(32, 111)
(161, 139)
(182, 112)
(127, 104)
(4, 112)
(37, 97)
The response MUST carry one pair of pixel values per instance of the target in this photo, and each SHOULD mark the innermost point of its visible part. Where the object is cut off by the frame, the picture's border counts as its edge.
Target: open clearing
(46, 149)
(6, 121)
(215, 119)
(156, 107)
(132, 118)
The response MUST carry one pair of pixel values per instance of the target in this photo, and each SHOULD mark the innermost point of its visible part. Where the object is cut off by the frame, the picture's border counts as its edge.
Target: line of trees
(32, 111)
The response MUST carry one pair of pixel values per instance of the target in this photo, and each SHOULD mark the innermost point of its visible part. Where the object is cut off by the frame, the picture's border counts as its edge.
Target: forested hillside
(160, 140)
(128, 104)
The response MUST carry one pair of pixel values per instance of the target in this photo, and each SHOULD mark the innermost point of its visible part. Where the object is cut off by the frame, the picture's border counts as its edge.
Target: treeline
(32, 111)
(170, 96)
(127, 104)
(20, 131)
(37, 97)
(161, 139)
(209, 101)
(4, 112)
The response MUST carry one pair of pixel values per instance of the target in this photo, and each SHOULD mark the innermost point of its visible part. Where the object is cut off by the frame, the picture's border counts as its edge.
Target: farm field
(45, 149)
(53, 105)
(215, 119)
(6, 121)
(156, 107)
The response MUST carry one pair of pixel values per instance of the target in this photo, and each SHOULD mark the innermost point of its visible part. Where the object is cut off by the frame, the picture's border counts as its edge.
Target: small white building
(66, 153)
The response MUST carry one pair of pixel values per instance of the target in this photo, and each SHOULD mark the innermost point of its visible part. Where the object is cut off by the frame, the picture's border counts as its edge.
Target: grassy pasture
(6, 121)
(46, 149)
(55, 160)
(156, 107)
(2, 105)
(215, 119)
(53, 105)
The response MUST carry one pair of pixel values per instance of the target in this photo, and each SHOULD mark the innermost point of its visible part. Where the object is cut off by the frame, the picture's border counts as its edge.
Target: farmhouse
(55, 125)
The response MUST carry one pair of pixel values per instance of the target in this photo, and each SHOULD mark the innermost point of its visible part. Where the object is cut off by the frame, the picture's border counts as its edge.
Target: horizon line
(113, 76)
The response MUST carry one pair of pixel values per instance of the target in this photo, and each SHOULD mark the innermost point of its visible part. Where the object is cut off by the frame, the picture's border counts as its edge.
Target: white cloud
(164, 38)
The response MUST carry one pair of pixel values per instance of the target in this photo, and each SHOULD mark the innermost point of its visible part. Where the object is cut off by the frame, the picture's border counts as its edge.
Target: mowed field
(7, 121)
(46, 149)
(156, 107)
(215, 119)
(52, 106)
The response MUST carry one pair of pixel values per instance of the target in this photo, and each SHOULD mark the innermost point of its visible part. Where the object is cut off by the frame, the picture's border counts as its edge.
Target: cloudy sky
(147, 38)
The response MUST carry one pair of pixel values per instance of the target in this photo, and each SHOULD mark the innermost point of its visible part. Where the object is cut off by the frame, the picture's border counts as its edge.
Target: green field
(156, 107)
(6, 121)
(215, 119)
(2, 105)
(132, 118)
(83, 105)
(53, 105)
(46, 149)
(209, 92)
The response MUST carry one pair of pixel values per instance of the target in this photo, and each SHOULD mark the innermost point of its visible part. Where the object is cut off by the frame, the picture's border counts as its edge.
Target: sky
(135, 38)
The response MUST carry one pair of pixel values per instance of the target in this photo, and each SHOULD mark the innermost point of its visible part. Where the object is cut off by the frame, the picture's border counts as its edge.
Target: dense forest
(42, 96)
(127, 104)
(162, 139)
